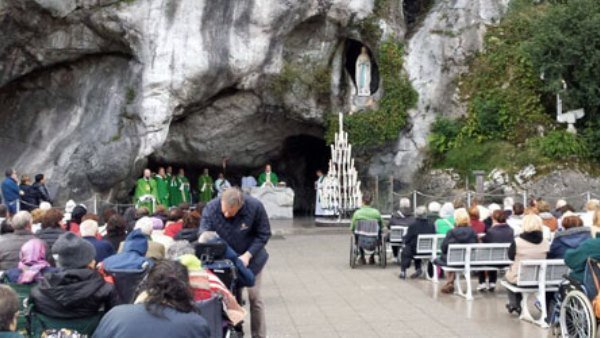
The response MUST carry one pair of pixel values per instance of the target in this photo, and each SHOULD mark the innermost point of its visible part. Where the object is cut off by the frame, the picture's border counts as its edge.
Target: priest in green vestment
(162, 187)
(180, 189)
(205, 187)
(145, 192)
(267, 178)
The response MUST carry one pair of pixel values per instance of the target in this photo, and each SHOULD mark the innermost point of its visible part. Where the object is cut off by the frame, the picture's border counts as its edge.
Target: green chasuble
(174, 192)
(205, 188)
(185, 188)
(145, 187)
(162, 190)
(263, 178)
(179, 191)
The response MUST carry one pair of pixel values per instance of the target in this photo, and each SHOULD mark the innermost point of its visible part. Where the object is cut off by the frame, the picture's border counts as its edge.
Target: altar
(278, 201)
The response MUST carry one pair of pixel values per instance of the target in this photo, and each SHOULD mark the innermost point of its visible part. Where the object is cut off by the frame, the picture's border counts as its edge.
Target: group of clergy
(166, 189)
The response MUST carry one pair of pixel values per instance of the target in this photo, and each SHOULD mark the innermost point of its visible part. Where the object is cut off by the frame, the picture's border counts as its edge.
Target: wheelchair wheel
(352, 253)
(577, 319)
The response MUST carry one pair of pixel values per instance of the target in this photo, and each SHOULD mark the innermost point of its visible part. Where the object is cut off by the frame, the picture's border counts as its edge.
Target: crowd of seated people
(69, 261)
(534, 232)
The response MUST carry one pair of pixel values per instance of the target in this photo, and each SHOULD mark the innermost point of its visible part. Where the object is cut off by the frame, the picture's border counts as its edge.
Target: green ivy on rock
(376, 127)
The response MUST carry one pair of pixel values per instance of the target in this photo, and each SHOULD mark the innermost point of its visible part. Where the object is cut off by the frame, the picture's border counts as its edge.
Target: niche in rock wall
(352, 53)
(414, 10)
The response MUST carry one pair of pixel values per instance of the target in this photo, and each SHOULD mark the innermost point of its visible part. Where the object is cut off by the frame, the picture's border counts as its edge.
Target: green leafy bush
(376, 127)
(444, 132)
(560, 144)
(501, 88)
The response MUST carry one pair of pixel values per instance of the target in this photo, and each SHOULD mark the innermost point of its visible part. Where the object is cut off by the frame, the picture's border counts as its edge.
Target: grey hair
(233, 197)
(178, 249)
(421, 212)
(404, 203)
(21, 219)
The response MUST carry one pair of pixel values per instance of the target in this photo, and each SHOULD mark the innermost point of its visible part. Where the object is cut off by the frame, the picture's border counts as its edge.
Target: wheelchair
(576, 316)
(367, 236)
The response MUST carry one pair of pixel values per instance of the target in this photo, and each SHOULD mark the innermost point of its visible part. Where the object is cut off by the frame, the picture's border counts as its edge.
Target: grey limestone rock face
(436, 55)
(89, 89)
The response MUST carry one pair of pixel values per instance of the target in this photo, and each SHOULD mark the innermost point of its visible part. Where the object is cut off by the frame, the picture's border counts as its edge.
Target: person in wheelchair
(78, 290)
(576, 258)
(165, 309)
(366, 212)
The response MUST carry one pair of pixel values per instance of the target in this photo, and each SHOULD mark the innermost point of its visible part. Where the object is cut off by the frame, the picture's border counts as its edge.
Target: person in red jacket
(174, 223)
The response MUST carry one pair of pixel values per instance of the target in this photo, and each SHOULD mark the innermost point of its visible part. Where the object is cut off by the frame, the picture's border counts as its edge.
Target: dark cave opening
(414, 11)
(352, 51)
(299, 159)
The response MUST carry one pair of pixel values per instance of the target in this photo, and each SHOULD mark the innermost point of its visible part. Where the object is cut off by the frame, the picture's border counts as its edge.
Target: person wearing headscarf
(32, 263)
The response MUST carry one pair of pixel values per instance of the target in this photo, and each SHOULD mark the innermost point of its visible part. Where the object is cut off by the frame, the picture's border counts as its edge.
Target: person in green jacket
(162, 187)
(205, 187)
(268, 177)
(446, 221)
(145, 187)
(366, 212)
(576, 258)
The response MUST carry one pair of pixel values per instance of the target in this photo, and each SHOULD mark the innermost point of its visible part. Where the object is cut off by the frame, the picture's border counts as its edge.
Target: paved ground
(310, 291)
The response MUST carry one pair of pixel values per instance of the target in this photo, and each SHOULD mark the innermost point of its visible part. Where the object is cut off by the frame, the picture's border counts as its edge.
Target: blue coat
(10, 192)
(133, 256)
(568, 239)
(249, 230)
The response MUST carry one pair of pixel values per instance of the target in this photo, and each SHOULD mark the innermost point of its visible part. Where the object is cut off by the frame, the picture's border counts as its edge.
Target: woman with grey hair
(178, 249)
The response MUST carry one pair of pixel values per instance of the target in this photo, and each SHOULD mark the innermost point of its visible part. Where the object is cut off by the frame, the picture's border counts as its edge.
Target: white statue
(569, 117)
(363, 73)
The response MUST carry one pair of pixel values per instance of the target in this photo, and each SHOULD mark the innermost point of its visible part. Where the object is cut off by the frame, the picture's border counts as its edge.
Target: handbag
(596, 300)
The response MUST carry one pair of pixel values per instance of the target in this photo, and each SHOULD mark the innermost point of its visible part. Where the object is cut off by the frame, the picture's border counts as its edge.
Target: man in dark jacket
(28, 197)
(403, 217)
(10, 244)
(10, 191)
(40, 189)
(77, 291)
(419, 226)
(500, 232)
(242, 222)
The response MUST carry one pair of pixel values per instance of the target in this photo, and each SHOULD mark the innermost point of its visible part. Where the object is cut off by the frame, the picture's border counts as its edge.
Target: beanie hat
(191, 262)
(73, 252)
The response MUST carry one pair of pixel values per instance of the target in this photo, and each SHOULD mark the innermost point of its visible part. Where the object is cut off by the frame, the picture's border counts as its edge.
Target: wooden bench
(536, 277)
(464, 258)
(429, 247)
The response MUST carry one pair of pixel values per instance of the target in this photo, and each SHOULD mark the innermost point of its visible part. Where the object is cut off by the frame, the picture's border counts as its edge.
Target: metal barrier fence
(387, 193)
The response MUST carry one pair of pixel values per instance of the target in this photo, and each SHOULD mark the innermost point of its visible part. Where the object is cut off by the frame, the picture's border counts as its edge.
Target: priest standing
(319, 186)
(267, 178)
(205, 187)
(179, 189)
(162, 187)
(145, 192)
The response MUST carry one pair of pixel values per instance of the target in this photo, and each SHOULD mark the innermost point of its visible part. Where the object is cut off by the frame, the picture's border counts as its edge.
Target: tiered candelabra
(341, 187)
